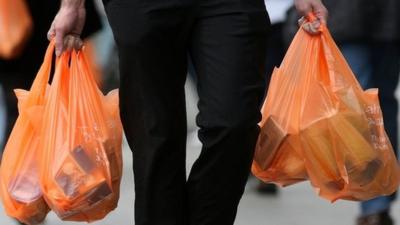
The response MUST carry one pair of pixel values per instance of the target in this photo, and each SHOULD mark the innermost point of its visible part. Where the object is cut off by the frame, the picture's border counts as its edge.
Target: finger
(51, 33)
(72, 41)
(301, 21)
(320, 11)
(303, 8)
(68, 43)
(323, 16)
(309, 28)
(59, 36)
(316, 24)
(78, 43)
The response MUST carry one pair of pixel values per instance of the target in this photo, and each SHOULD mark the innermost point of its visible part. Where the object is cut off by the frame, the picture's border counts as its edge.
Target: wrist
(72, 4)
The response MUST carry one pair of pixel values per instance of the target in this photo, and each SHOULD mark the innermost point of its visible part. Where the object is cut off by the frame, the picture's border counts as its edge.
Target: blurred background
(371, 47)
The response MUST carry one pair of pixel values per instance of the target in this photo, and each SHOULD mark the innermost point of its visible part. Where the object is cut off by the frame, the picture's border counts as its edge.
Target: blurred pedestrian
(368, 34)
(226, 40)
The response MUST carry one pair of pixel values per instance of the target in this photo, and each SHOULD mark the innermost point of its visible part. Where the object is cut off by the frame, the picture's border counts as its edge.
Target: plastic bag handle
(43, 75)
(311, 17)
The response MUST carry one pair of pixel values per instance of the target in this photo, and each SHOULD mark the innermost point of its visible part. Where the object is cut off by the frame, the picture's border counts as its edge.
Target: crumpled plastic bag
(320, 125)
(19, 181)
(81, 166)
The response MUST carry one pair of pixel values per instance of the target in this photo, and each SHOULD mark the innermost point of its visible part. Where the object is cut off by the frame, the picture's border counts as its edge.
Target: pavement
(294, 205)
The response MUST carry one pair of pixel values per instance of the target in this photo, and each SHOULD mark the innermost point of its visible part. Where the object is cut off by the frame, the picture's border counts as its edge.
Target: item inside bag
(332, 139)
(78, 176)
(110, 151)
(269, 142)
(25, 189)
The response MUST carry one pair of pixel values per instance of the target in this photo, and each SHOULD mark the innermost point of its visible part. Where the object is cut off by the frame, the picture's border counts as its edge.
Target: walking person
(373, 52)
(227, 41)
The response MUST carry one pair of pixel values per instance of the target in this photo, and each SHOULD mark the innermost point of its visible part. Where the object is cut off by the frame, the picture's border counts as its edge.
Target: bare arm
(68, 25)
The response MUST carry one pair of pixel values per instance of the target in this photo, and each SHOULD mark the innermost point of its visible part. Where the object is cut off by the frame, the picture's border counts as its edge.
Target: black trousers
(227, 41)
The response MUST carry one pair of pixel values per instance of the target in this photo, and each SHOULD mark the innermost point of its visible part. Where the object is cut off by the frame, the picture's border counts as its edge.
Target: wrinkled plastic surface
(81, 167)
(319, 125)
(19, 181)
(15, 27)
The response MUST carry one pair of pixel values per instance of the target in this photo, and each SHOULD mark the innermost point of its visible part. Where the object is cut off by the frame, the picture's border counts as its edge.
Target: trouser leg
(151, 37)
(385, 69)
(385, 76)
(228, 52)
(378, 65)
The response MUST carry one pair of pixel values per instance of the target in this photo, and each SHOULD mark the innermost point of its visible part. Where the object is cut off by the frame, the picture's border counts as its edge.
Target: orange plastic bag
(19, 181)
(81, 165)
(319, 124)
(15, 27)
